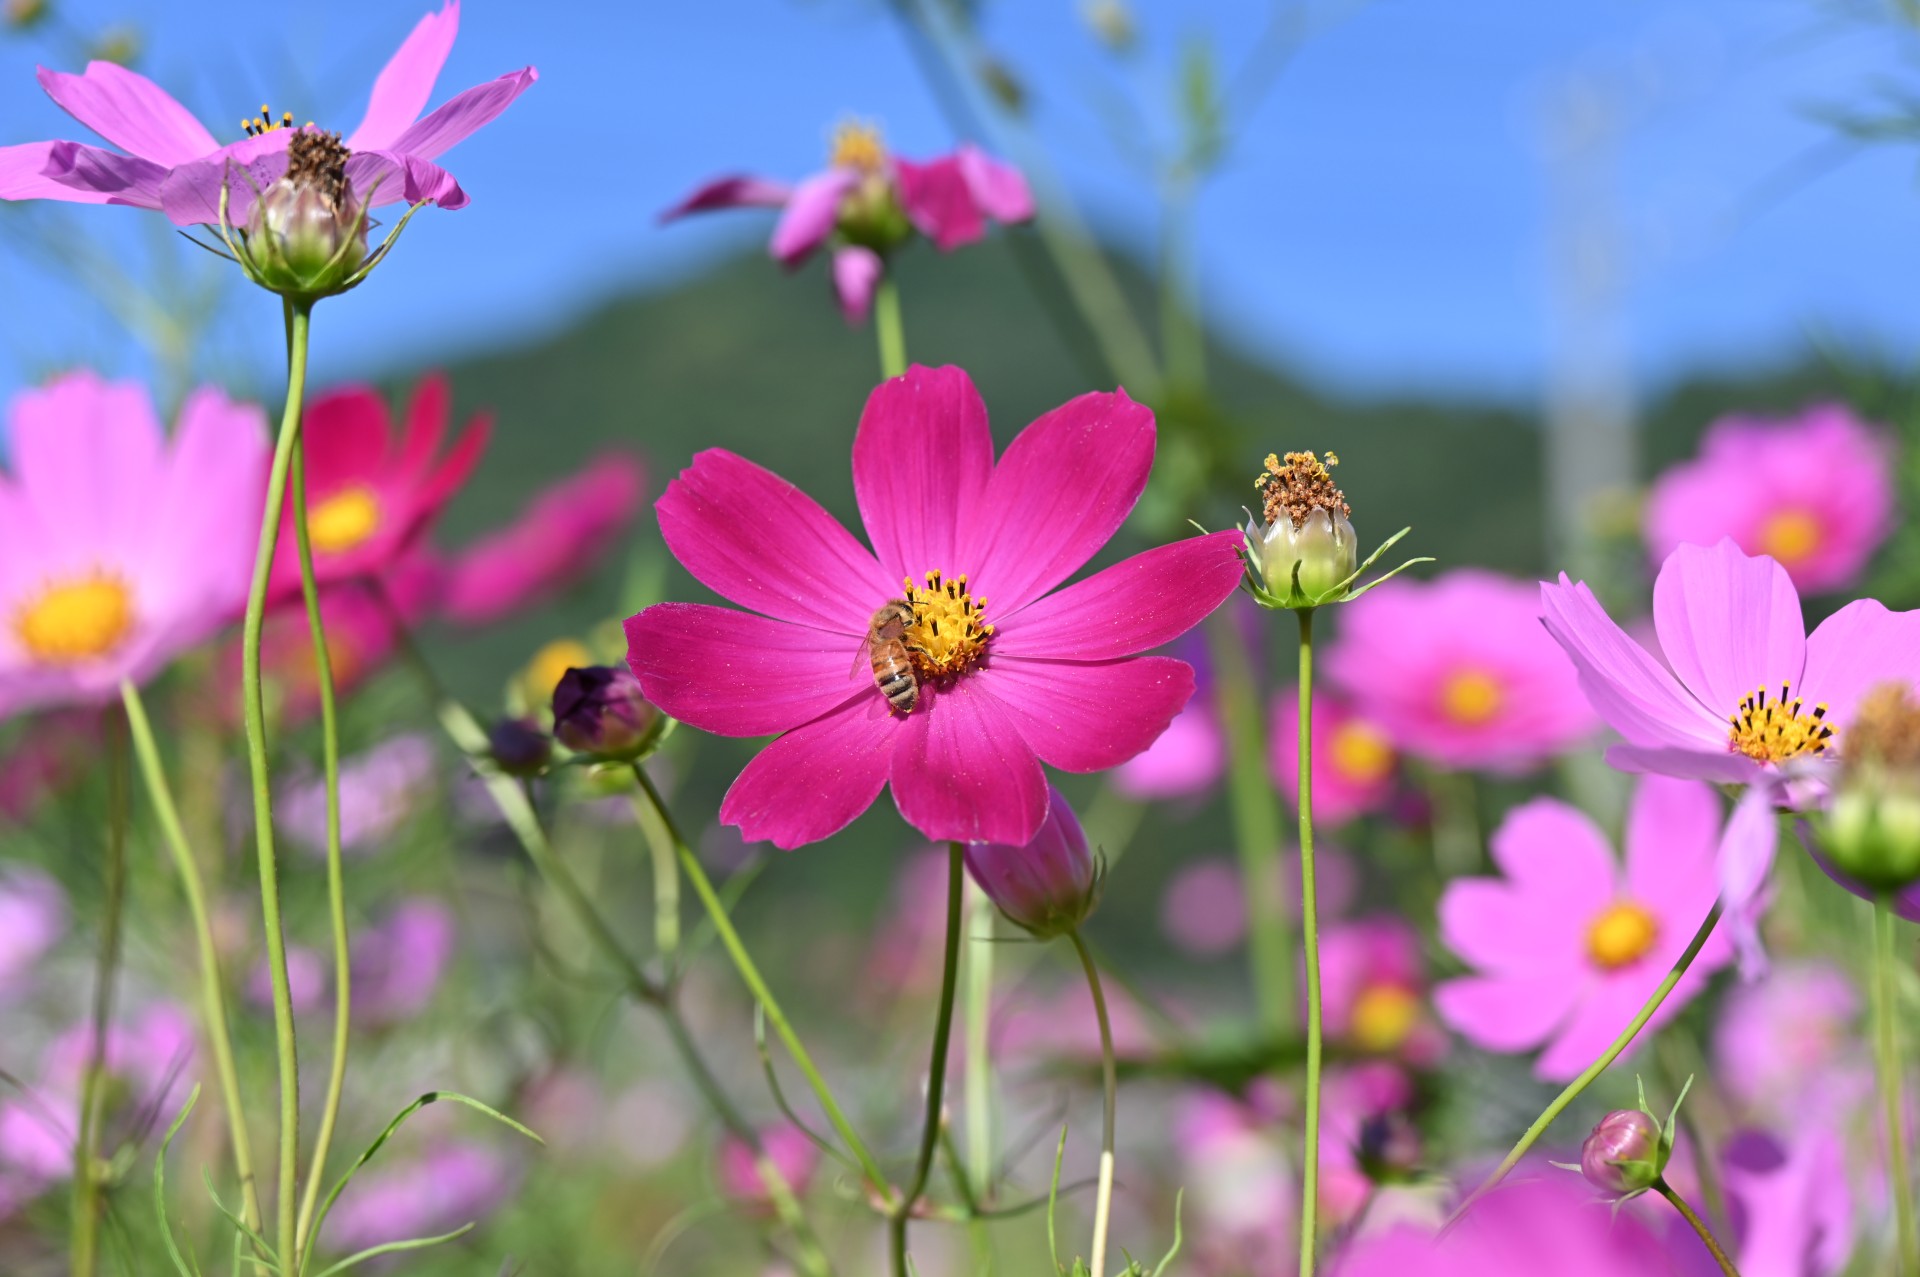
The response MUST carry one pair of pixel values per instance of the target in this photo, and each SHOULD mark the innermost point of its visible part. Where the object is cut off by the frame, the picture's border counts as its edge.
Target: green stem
(1310, 945)
(336, 878)
(979, 1016)
(1109, 1093)
(937, 1065)
(86, 1148)
(1599, 1066)
(888, 327)
(299, 316)
(213, 1000)
(1699, 1225)
(1887, 1056)
(1256, 826)
(666, 885)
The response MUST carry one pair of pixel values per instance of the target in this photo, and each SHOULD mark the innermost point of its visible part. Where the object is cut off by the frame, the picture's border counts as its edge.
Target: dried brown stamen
(317, 160)
(1298, 486)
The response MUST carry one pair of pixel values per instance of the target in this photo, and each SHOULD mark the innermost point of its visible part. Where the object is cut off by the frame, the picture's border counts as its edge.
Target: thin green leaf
(1179, 1199)
(388, 1248)
(180, 1263)
(1382, 580)
(1053, 1198)
(272, 1261)
(780, 1097)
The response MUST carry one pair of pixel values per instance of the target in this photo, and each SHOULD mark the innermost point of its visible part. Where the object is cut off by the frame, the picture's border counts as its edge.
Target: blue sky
(1385, 221)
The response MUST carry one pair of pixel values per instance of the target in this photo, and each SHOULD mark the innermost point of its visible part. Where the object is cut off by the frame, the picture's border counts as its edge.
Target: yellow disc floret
(1774, 731)
(857, 145)
(1361, 754)
(1623, 933)
(1791, 536)
(76, 620)
(1383, 1016)
(343, 520)
(949, 632)
(1470, 697)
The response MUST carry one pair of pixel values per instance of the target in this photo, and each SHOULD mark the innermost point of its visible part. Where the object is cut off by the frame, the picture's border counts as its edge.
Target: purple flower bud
(600, 711)
(1625, 1153)
(1048, 886)
(519, 748)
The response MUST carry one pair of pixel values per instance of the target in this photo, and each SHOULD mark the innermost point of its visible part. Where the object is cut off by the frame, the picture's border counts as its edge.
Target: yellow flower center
(1791, 536)
(1471, 697)
(76, 620)
(1772, 731)
(1361, 754)
(857, 145)
(549, 665)
(948, 634)
(1383, 1016)
(343, 520)
(1621, 934)
(264, 123)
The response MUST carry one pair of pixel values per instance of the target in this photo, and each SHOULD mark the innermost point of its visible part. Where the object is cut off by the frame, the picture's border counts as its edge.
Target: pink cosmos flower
(397, 963)
(1790, 1044)
(169, 162)
(1791, 1209)
(867, 202)
(450, 1184)
(380, 789)
(1812, 492)
(33, 917)
(790, 1150)
(1237, 1165)
(1187, 759)
(1203, 909)
(370, 495)
(563, 531)
(1747, 696)
(1373, 985)
(1569, 943)
(122, 548)
(360, 617)
(308, 975)
(1010, 672)
(1353, 760)
(1482, 688)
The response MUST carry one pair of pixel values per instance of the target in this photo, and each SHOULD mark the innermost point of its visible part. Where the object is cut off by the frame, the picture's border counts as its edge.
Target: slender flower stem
(213, 998)
(299, 317)
(1699, 1225)
(937, 1065)
(1594, 1070)
(889, 329)
(86, 1149)
(1886, 1035)
(1256, 825)
(1109, 1093)
(978, 1046)
(1310, 946)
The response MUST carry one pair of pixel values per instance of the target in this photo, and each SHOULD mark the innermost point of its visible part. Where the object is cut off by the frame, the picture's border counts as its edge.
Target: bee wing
(862, 656)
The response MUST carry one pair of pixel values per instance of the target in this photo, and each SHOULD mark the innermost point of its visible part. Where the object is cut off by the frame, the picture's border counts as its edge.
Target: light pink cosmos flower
(398, 962)
(1569, 943)
(1814, 493)
(122, 548)
(1790, 1205)
(33, 917)
(867, 201)
(380, 789)
(1354, 764)
(1373, 983)
(1790, 1044)
(169, 162)
(451, 1183)
(1010, 671)
(563, 531)
(790, 1150)
(1238, 1170)
(1187, 759)
(1746, 697)
(1203, 908)
(1482, 688)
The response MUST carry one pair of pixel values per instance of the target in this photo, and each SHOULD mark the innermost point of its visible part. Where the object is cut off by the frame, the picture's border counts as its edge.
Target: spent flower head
(1301, 551)
(307, 234)
(1871, 832)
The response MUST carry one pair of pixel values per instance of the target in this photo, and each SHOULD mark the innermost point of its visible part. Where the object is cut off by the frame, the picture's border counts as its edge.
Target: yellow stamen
(265, 123)
(1772, 731)
(948, 633)
(343, 520)
(549, 664)
(1470, 697)
(857, 145)
(76, 620)
(1383, 1016)
(1623, 933)
(1361, 754)
(1791, 536)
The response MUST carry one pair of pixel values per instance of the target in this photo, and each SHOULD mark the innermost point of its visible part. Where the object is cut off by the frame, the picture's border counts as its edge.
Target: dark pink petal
(962, 772)
(78, 174)
(921, 460)
(856, 274)
(462, 115)
(429, 412)
(1138, 603)
(1086, 717)
(736, 674)
(401, 90)
(1636, 694)
(130, 111)
(1855, 650)
(1062, 489)
(757, 540)
(734, 191)
(455, 469)
(390, 177)
(345, 435)
(1729, 624)
(811, 213)
(998, 188)
(938, 201)
(812, 782)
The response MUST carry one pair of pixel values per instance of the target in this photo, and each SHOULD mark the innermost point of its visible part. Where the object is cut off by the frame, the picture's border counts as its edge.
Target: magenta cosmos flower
(867, 203)
(122, 548)
(1010, 673)
(1354, 763)
(169, 162)
(1813, 492)
(1456, 671)
(1526, 1229)
(1569, 943)
(1746, 696)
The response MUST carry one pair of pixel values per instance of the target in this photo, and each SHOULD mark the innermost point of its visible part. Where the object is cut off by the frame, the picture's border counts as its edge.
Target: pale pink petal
(758, 541)
(190, 194)
(1720, 764)
(1673, 832)
(921, 460)
(1062, 489)
(939, 201)
(1498, 929)
(1506, 1013)
(810, 215)
(401, 90)
(130, 111)
(1557, 856)
(810, 783)
(735, 674)
(462, 115)
(856, 274)
(1138, 603)
(1606, 1007)
(393, 177)
(1729, 624)
(85, 452)
(998, 188)
(1855, 650)
(1085, 717)
(1631, 690)
(962, 772)
(78, 174)
(737, 190)
(1746, 856)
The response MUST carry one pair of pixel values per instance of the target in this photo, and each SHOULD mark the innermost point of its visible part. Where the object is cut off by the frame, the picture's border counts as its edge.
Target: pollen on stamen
(949, 632)
(1299, 485)
(1773, 732)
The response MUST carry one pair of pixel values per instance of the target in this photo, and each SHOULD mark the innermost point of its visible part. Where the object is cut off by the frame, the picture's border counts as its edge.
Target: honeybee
(886, 654)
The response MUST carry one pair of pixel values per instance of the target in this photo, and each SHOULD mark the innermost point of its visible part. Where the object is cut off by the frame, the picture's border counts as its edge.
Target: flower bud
(1626, 1152)
(1305, 535)
(1871, 831)
(307, 234)
(1389, 1148)
(1048, 886)
(600, 711)
(738, 1166)
(518, 748)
